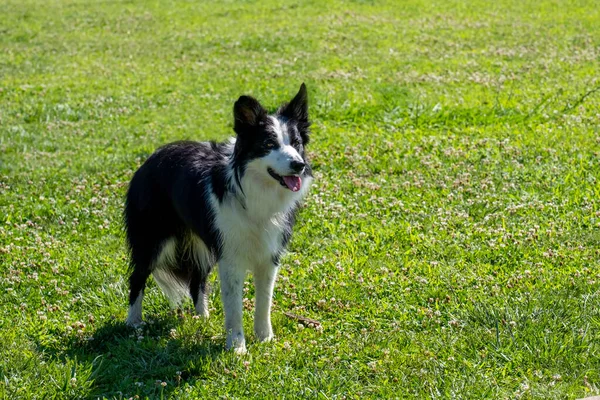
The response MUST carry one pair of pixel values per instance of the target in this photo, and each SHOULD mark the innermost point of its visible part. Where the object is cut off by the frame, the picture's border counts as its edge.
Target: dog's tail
(174, 287)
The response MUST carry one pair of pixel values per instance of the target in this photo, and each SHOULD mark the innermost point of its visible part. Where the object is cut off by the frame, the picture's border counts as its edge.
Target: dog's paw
(240, 350)
(134, 322)
(263, 332)
(202, 309)
(236, 343)
(265, 338)
(201, 315)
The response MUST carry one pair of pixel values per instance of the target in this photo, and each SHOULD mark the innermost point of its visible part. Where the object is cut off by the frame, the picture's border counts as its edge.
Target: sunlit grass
(449, 246)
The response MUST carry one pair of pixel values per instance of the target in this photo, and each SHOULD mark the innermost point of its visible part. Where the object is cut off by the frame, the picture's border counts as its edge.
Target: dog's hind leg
(137, 283)
(199, 292)
(198, 261)
(144, 254)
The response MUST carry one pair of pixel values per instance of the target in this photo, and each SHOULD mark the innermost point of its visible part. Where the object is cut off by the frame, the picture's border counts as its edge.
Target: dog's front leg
(264, 281)
(232, 289)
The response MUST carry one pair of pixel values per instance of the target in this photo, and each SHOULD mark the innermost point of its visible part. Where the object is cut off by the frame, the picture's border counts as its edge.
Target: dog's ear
(248, 113)
(297, 110)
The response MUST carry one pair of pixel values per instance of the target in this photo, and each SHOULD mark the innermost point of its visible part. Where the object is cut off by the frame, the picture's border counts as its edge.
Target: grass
(449, 246)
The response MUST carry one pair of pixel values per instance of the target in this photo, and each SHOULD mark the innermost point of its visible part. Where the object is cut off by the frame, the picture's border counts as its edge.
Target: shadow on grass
(148, 361)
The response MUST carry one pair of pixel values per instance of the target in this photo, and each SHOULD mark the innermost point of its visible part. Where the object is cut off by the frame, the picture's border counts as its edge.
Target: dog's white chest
(249, 241)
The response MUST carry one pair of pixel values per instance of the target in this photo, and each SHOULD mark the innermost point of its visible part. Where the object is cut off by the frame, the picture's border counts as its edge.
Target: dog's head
(271, 147)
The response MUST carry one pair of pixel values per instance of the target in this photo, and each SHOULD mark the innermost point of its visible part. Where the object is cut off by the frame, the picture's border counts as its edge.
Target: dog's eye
(270, 145)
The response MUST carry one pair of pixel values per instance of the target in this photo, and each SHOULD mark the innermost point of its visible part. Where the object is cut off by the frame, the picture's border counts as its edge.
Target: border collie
(192, 205)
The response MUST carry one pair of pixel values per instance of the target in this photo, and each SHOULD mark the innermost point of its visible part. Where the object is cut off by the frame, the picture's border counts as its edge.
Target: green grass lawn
(450, 245)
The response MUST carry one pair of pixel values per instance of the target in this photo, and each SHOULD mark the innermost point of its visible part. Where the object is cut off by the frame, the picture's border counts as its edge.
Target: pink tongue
(293, 182)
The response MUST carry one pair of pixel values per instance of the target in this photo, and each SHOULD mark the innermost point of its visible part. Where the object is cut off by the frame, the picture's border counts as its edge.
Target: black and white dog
(194, 204)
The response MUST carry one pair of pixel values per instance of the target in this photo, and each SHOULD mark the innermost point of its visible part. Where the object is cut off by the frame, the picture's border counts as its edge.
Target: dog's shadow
(150, 361)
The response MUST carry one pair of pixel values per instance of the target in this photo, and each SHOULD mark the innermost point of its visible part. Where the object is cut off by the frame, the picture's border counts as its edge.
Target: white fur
(173, 288)
(202, 304)
(280, 129)
(134, 318)
(264, 281)
(280, 159)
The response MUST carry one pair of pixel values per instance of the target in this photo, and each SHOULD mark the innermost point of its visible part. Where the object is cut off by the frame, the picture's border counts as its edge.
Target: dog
(192, 205)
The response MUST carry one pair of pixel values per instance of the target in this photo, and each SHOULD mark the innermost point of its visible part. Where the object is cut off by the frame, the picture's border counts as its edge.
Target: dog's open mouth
(291, 182)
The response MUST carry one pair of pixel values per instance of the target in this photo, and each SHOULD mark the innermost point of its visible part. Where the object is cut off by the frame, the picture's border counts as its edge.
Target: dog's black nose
(297, 166)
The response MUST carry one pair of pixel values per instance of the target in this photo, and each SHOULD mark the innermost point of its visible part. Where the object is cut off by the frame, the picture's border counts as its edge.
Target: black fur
(167, 198)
